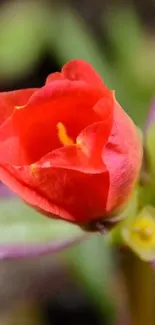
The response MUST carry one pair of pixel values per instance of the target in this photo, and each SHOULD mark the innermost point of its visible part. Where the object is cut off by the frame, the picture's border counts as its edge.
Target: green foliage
(133, 53)
(93, 267)
(150, 149)
(74, 40)
(21, 38)
(20, 224)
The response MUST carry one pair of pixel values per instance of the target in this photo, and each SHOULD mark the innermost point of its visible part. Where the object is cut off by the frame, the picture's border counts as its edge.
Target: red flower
(68, 148)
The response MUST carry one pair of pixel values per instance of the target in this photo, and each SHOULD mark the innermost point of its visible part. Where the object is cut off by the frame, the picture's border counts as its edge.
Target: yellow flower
(139, 234)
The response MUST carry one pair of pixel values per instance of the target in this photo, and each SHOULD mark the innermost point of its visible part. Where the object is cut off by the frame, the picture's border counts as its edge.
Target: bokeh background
(81, 285)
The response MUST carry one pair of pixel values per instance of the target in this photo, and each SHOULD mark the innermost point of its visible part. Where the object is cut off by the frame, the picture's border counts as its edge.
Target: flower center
(145, 229)
(144, 233)
(63, 136)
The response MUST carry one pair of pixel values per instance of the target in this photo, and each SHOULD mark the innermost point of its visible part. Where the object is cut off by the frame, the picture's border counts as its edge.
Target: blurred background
(80, 285)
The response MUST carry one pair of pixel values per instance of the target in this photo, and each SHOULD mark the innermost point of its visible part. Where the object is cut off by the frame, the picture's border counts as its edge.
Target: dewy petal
(68, 194)
(122, 156)
(11, 99)
(62, 101)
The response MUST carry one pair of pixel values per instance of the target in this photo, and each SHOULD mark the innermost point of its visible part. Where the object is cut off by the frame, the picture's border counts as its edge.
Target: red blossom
(68, 148)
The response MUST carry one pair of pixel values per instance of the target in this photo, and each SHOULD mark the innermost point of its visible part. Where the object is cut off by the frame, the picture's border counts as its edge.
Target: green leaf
(133, 61)
(24, 231)
(71, 39)
(92, 262)
(121, 24)
(150, 148)
(21, 37)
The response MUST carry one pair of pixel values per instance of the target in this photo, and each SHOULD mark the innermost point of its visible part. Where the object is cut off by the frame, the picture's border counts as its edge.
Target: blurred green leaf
(21, 224)
(71, 39)
(146, 195)
(150, 148)
(21, 37)
(93, 265)
(124, 30)
(133, 61)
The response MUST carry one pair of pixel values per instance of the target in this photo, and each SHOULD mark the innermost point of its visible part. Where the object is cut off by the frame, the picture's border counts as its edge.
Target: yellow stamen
(63, 136)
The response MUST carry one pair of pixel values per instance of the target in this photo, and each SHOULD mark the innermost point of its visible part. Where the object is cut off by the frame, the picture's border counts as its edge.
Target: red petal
(79, 70)
(8, 101)
(94, 137)
(54, 76)
(86, 155)
(35, 124)
(73, 158)
(82, 70)
(122, 156)
(71, 195)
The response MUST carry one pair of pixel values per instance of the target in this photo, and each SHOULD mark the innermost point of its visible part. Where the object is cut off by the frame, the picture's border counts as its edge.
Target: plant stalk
(139, 281)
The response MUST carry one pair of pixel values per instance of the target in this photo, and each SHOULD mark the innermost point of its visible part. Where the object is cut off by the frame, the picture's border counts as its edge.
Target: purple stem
(15, 251)
(151, 117)
(5, 192)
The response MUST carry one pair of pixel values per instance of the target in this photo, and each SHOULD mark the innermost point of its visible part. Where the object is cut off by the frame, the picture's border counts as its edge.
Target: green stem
(140, 287)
